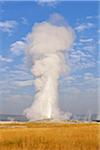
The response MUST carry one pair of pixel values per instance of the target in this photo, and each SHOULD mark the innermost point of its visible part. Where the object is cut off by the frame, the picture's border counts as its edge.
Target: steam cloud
(47, 44)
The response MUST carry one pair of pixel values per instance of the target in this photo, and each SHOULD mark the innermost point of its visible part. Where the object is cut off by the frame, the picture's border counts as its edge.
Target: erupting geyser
(47, 44)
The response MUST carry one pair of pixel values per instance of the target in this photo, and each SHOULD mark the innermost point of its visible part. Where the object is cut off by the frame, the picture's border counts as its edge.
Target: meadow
(49, 136)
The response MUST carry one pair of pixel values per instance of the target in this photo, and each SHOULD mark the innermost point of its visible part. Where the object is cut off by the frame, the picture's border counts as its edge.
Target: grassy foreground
(49, 136)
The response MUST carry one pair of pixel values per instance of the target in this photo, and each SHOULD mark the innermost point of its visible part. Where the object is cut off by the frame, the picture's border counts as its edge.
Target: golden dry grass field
(49, 136)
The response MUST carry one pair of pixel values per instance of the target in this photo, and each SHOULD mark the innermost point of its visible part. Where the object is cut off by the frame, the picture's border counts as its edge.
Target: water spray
(47, 44)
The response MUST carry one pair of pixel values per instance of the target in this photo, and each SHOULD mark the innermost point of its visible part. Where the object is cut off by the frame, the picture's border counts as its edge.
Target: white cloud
(89, 17)
(90, 80)
(45, 1)
(18, 47)
(15, 79)
(24, 83)
(80, 59)
(51, 3)
(90, 48)
(5, 59)
(84, 52)
(84, 26)
(88, 76)
(85, 82)
(24, 21)
(18, 97)
(85, 40)
(7, 26)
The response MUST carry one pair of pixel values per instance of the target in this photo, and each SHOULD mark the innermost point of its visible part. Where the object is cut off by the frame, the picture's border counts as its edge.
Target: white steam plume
(47, 44)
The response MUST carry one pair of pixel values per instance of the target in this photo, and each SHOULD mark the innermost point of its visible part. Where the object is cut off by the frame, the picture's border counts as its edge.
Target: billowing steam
(47, 44)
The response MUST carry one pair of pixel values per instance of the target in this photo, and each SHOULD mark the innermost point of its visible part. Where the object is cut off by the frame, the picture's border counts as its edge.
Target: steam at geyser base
(47, 44)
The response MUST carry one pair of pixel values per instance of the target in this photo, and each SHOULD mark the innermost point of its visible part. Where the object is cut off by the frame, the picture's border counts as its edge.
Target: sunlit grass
(49, 136)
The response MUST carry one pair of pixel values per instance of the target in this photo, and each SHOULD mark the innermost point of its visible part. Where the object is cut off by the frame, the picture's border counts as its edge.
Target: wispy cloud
(84, 54)
(14, 79)
(24, 83)
(51, 3)
(7, 26)
(89, 17)
(18, 47)
(24, 21)
(84, 26)
(85, 40)
(18, 97)
(83, 82)
(79, 59)
(5, 59)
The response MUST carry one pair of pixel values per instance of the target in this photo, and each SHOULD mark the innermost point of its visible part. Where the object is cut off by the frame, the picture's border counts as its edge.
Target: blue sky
(78, 90)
